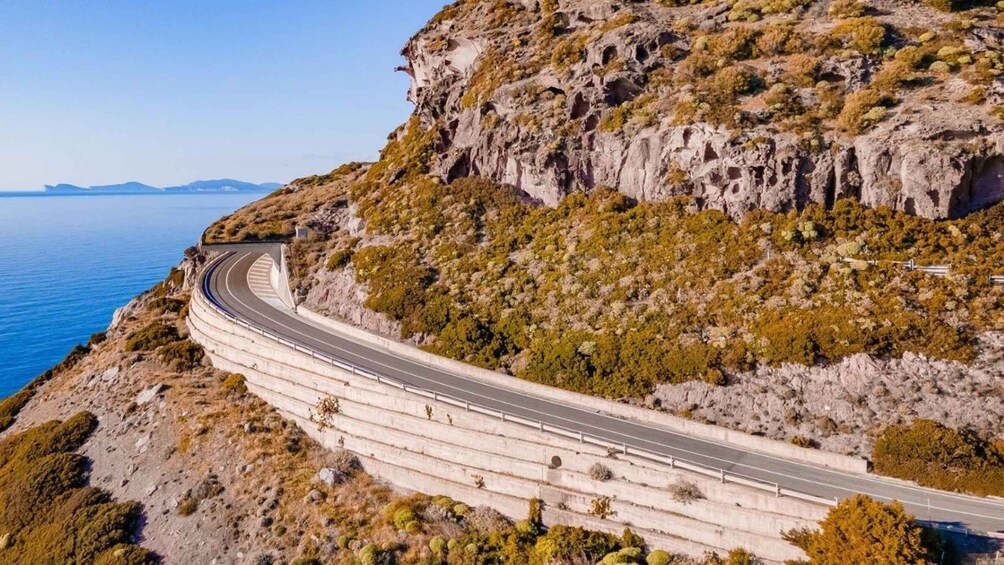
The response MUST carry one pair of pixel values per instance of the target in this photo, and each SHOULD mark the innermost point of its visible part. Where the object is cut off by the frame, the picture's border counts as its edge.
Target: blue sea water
(67, 262)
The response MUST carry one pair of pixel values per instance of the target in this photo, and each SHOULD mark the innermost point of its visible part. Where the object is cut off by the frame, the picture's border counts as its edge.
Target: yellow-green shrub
(151, 337)
(865, 34)
(181, 355)
(937, 456)
(859, 110)
(862, 530)
(45, 506)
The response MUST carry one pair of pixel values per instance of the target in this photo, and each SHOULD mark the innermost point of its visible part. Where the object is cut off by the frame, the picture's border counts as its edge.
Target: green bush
(235, 384)
(859, 110)
(397, 280)
(846, 9)
(181, 355)
(940, 457)
(167, 304)
(565, 543)
(865, 34)
(12, 405)
(52, 516)
(438, 545)
(339, 259)
(151, 337)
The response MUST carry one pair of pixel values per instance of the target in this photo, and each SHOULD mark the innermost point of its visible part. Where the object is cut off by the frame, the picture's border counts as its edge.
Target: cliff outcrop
(740, 105)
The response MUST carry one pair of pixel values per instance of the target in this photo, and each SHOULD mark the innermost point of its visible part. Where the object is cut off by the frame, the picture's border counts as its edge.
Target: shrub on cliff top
(12, 405)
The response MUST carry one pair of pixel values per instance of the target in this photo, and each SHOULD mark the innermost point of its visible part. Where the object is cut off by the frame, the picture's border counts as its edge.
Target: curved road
(226, 284)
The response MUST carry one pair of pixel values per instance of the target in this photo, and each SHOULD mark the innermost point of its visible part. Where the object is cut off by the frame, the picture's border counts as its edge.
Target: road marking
(865, 478)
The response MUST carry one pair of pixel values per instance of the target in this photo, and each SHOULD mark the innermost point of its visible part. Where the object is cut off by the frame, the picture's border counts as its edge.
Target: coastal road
(226, 285)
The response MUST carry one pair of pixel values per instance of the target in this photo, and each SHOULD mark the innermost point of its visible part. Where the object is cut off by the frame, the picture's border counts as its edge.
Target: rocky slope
(221, 478)
(741, 105)
(807, 315)
(845, 406)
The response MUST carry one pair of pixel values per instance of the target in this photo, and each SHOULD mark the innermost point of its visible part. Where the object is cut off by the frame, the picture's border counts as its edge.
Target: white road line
(608, 433)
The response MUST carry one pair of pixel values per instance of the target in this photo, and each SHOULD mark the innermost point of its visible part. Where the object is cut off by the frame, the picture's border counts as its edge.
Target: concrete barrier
(617, 409)
(300, 377)
(439, 452)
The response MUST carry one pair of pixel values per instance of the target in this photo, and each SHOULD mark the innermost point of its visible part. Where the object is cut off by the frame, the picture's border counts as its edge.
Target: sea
(67, 262)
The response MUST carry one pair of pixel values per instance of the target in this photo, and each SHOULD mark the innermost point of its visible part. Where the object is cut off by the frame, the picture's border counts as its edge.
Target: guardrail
(582, 437)
(578, 435)
(934, 270)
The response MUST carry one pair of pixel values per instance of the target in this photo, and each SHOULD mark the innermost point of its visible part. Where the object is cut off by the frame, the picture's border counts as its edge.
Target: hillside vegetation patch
(48, 512)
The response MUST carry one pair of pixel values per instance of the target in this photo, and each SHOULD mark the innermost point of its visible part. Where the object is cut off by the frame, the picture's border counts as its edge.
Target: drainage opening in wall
(555, 462)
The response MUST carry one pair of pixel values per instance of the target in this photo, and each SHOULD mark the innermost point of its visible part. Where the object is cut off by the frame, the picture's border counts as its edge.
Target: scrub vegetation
(610, 297)
(940, 457)
(13, 404)
(48, 513)
(861, 530)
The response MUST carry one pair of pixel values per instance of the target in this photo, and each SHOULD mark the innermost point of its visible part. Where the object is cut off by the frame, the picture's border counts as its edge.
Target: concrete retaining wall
(399, 440)
(662, 419)
(279, 277)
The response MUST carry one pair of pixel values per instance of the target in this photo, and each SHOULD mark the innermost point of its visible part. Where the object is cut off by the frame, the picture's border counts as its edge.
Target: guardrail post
(540, 425)
(625, 449)
(467, 406)
(723, 475)
(672, 462)
(435, 396)
(777, 490)
(582, 438)
(378, 380)
(503, 415)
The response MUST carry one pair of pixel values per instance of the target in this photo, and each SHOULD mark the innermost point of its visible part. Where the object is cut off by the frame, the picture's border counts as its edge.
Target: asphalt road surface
(226, 284)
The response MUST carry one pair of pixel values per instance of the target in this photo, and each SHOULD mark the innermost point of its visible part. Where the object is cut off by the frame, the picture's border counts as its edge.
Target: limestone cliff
(741, 105)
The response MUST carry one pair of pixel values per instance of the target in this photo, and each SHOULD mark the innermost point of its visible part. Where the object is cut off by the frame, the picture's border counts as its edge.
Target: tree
(862, 530)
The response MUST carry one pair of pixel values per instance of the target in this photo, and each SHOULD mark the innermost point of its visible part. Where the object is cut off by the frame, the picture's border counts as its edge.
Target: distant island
(199, 186)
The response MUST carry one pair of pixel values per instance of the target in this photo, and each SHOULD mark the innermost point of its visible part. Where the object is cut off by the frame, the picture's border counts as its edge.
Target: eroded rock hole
(609, 54)
(988, 185)
(619, 91)
(580, 107)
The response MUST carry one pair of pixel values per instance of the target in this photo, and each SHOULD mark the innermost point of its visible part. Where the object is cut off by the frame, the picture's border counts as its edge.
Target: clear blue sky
(165, 92)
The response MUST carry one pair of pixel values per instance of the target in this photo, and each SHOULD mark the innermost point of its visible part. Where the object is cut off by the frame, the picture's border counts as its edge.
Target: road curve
(226, 284)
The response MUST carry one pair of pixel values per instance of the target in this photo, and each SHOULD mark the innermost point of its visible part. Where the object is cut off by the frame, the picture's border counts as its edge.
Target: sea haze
(69, 262)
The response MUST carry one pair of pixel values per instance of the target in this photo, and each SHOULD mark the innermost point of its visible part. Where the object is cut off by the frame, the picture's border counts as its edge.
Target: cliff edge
(740, 105)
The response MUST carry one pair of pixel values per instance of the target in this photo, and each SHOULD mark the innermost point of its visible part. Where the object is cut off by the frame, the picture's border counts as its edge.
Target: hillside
(664, 297)
(707, 208)
(741, 105)
(162, 459)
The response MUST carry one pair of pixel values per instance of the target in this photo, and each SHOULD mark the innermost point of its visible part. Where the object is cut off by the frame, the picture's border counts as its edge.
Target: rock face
(539, 128)
(842, 406)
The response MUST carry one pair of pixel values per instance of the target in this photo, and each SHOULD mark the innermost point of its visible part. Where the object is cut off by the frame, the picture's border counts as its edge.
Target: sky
(167, 92)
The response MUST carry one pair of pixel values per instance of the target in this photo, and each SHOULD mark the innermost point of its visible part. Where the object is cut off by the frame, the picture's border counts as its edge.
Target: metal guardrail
(934, 270)
(578, 435)
(582, 437)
